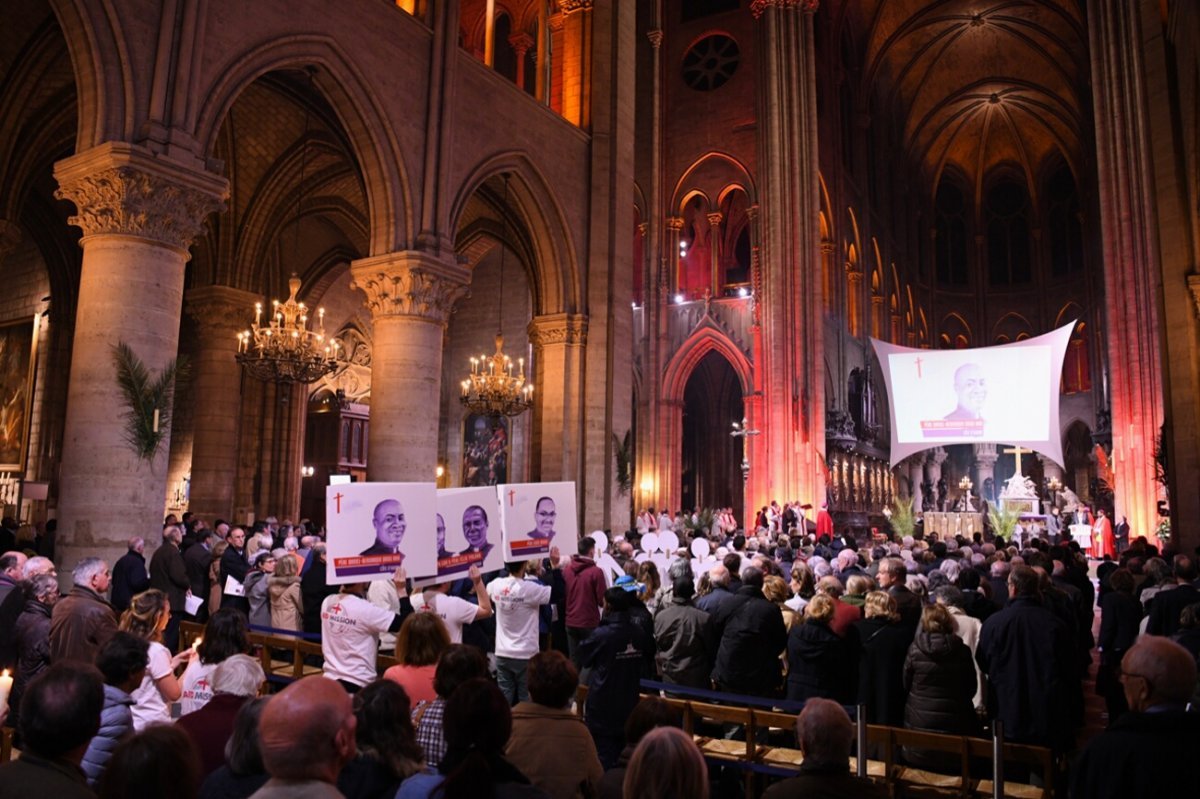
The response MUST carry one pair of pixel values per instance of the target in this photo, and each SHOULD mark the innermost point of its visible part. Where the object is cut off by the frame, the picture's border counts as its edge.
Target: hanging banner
(536, 516)
(375, 528)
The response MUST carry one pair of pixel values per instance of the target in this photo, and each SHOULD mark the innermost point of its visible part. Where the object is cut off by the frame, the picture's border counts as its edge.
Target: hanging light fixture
(286, 349)
(494, 388)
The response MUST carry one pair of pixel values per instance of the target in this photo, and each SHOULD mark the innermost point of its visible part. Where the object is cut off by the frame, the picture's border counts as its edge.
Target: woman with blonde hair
(776, 590)
(821, 662)
(146, 618)
(283, 588)
(857, 588)
(422, 639)
(667, 764)
(884, 644)
(648, 577)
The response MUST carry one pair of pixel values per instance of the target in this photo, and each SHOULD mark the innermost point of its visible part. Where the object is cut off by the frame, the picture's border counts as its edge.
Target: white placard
(191, 604)
(468, 531)
(536, 516)
(375, 528)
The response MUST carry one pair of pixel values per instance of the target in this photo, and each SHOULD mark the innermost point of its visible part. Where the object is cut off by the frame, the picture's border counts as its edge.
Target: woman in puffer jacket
(123, 662)
(939, 676)
(820, 662)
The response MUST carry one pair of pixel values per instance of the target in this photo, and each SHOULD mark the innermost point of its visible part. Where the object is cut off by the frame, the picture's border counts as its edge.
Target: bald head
(1157, 671)
(719, 575)
(307, 731)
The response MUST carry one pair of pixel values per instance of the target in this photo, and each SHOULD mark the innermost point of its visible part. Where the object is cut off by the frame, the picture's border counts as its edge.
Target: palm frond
(1003, 521)
(142, 395)
(903, 519)
(624, 453)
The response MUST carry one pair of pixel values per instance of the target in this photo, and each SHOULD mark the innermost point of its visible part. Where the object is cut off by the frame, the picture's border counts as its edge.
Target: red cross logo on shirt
(336, 608)
(201, 684)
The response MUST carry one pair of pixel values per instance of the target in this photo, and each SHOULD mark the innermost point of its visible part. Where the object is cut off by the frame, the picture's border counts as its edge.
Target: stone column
(933, 472)
(985, 469)
(916, 476)
(792, 368)
(558, 348)
(139, 214)
(219, 313)
(717, 281)
(410, 295)
(521, 44)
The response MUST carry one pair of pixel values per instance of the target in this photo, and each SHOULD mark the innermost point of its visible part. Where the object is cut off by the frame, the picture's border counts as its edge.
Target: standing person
(585, 596)
(262, 566)
(196, 560)
(215, 589)
(751, 636)
(32, 636)
(455, 612)
(169, 575)
(939, 678)
(1120, 615)
(685, 639)
(1121, 534)
(123, 662)
(350, 628)
(129, 574)
(83, 621)
(283, 588)
(1028, 656)
(614, 653)
(1102, 531)
(821, 663)
(234, 567)
(314, 588)
(884, 643)
(518, 598)
(225, 635)
(146, 618)
(893, 577)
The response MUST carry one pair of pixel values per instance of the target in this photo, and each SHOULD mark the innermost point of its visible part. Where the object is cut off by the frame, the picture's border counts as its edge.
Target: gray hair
(35, 566)
(951, 568)
(42, 585)
(137, 541)
(291, 544)
(86, 569)
(240, 675)
(679, 569)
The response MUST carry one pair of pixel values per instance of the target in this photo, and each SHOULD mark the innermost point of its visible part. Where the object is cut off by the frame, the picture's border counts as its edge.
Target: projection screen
(1007, 394)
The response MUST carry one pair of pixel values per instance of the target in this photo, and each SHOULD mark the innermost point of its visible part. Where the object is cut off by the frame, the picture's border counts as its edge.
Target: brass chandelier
(494, 388)
(286, 349)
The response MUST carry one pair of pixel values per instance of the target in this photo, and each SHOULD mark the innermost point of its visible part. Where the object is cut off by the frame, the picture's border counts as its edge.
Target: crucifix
(1017, 452)
(742, 430)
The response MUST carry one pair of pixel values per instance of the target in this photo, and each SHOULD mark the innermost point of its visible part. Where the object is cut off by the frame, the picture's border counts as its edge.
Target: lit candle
(6, 682)
(196, 644)
(156, 420)
(257, 314)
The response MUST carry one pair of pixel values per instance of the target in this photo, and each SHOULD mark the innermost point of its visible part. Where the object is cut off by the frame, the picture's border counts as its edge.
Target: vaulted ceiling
(976, 83)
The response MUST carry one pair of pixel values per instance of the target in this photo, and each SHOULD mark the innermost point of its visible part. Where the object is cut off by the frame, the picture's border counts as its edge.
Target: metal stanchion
(997, 759)
(862, 740)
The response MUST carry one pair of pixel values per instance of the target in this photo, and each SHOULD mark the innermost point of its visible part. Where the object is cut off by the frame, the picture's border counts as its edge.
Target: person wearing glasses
(544, 514)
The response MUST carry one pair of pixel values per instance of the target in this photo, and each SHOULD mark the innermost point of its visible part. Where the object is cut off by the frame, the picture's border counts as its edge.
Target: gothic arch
(712, 173)
(372, 139)
(557, 282)
(100, 59)
(690, 353)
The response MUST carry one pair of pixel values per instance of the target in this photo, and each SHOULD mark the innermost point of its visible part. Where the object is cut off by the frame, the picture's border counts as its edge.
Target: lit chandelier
(285, 350)
(493, 388)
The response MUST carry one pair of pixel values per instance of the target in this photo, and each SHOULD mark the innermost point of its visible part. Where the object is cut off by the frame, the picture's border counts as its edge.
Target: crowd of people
(948, 636)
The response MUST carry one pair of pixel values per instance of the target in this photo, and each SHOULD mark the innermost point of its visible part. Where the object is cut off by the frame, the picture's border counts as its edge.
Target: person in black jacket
(129, 575)
(235, 565)
(820, 662)
(1167, 606)
(196, 560)
(751, 637)
(1120, 616)
(169, 575)
(615, 654)
(939, 677)
(1148, 751)
(884, 641)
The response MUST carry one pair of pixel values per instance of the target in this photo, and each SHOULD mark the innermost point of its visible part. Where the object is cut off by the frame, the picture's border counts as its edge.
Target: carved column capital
(120, 189)
(561, 328)
(571, 6)
(938, 456)
(714, 219)
(876, 300)
(521, 43)
(410, 283)
(220, 311)
(656, 38)
(759, 7)
(675, 223)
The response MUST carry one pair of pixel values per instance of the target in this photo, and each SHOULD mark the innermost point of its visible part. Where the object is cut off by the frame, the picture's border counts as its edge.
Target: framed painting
(486, 449)
(17, 359)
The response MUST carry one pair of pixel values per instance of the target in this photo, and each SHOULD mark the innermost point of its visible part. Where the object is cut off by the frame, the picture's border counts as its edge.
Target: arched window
(1006, 209)
(1064, 223)
(950, 241)
(1076, 376)
(695, 251)
(733, 254)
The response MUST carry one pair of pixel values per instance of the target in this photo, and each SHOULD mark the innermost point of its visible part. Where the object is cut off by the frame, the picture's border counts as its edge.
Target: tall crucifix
(1017, 452)
(742, 430)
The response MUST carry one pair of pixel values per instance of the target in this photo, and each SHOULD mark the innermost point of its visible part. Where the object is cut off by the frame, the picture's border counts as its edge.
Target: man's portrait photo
(441, 539)
(544, 514)
(970, 387)
(389, 529)
(475, 530)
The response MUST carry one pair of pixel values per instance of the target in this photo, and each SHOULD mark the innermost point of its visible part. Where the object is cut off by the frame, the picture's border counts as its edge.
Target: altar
(950, 524)
(1082, 533)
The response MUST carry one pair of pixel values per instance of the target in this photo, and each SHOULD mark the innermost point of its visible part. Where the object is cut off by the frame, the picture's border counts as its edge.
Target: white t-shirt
(197, 685)
(350, 628)
(149, 706)
(454, 611)
(383, 594)
(516, 603)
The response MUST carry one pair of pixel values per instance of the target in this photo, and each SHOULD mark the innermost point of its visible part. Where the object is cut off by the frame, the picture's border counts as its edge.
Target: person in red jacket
(585, 596)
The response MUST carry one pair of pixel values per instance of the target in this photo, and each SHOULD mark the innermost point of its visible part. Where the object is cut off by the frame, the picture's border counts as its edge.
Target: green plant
(1163, 531)
(703, 524)
(903, 519)
(624, 451)
(148, 401)
(1003, 521)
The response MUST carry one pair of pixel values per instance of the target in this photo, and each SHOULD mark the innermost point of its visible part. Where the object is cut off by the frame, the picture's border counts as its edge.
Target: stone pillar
(792, 369)
(139, 214)
(410, 295)
(717, 281)
(558, 348)
(575, 61)
(916, 476)
(985, 469)
(1132, 265)
(219, 313)
(521, 44)
(933, 472)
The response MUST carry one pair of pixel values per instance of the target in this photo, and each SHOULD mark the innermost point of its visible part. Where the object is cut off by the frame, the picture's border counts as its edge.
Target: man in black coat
(196, 559)
(893, 578)
(1147, 751)
(1167, 606)
(752, 635)
(169, 575)
(999, 582)
(1027, 654)
(235, 565)
(129, 576)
